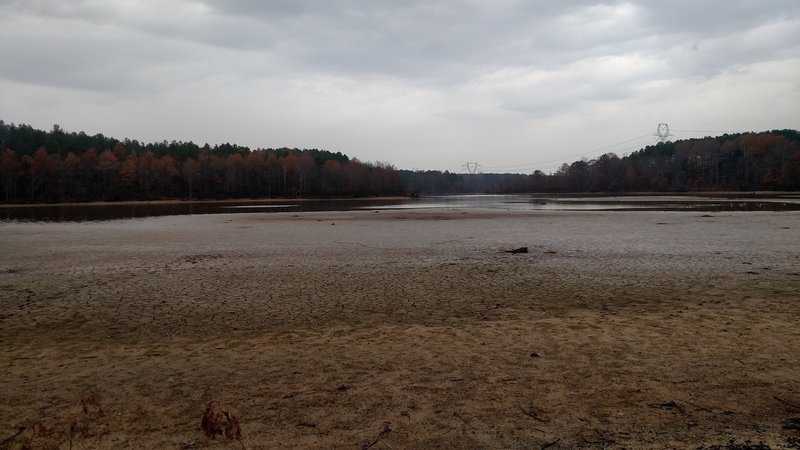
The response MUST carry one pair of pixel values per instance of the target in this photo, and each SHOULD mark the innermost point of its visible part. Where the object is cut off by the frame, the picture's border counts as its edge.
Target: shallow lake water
(526, 202)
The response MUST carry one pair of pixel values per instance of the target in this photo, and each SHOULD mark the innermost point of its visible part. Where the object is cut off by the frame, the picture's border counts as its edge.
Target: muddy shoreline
(698, 202)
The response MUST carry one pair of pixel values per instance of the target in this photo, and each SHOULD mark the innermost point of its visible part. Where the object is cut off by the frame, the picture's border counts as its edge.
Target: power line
(663, 133)
(703, 131)
(622, 151)
(571, 156)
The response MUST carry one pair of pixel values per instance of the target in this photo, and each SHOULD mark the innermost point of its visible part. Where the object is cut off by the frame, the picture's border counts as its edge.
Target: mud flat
(403, 329)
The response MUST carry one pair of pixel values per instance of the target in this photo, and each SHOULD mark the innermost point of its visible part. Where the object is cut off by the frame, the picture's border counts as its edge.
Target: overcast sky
(513, 85)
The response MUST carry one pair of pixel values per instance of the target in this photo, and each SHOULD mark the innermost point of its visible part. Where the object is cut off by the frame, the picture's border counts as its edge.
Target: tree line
(731, 162)
(57, 166)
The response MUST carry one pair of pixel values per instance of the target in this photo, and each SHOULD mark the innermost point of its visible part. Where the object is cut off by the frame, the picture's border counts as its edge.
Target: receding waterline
(259, 206)
(114, 211)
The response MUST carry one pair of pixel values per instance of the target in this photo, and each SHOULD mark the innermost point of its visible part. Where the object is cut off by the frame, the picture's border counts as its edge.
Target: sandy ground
(403, 330)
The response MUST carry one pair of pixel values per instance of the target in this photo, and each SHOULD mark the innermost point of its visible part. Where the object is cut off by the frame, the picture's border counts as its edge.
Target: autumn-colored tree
(659, 183)
(108, 165)
(145, 171)
(190, 170)
(218, 169)
(306, 174)
(234, 174)
(69, 180)
(204, 172)
(356, 176)
(331, 177)
(255, 170)
(9, 173)
(120, 151)
(272, 168)
(290, 165)
(132, 170)
(168, 174)
(129, 172)
(630, 181)
(761, 144)
(39, 168)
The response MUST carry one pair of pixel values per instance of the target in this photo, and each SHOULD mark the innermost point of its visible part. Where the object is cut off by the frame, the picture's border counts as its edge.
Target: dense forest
(57, 166)
(54, 166)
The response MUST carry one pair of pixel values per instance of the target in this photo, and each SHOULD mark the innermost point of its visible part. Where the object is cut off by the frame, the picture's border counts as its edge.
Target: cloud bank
(514, 85)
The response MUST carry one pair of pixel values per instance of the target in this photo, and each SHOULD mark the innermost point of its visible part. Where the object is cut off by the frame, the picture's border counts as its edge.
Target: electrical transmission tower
(472, 167)
(662, 133)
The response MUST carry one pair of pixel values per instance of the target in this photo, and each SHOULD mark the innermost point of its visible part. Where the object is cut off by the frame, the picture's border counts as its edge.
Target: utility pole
(662, 133)
(471, 167)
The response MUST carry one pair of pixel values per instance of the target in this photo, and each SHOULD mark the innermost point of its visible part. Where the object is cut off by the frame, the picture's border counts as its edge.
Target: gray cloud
(440, 42)
(455, 63)
(415, 38)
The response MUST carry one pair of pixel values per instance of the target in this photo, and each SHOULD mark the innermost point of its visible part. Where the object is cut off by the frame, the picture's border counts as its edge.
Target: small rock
(792, 424)
(670, 404)
(534, 355)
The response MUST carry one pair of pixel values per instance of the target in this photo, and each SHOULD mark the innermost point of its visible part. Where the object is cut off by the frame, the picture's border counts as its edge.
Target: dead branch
(702, 408)
(670, 404)
(786, 403)
(353, 243)
(295, 394)
(531, 414)
(602, 436)
(463, 419)
(8, 440)
(543, 447)
(386, 430)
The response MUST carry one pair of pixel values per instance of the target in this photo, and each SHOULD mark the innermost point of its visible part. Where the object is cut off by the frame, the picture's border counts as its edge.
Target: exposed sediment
(403, 329)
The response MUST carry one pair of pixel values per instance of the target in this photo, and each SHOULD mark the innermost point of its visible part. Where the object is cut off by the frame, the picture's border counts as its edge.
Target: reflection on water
(508, 203)
(259, 206)
(574, 203)
(112, 211)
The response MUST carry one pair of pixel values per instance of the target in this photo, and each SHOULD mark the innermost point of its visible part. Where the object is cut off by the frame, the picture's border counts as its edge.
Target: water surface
(112, 211)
